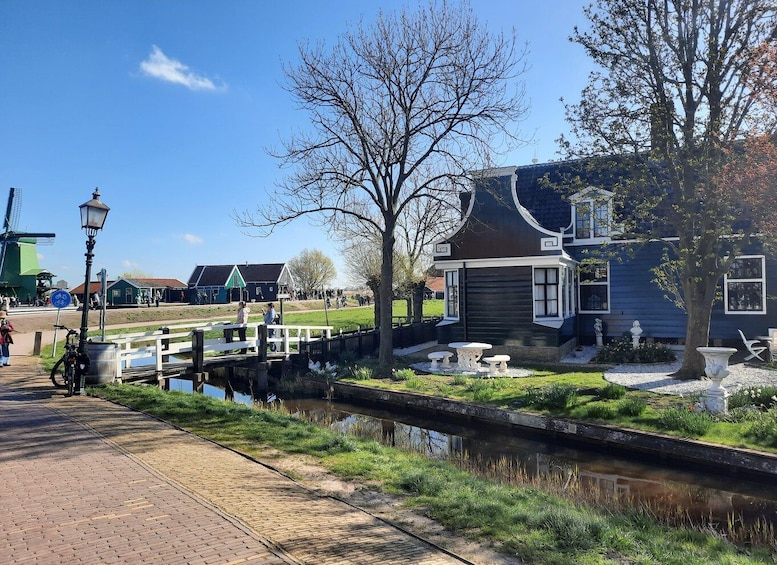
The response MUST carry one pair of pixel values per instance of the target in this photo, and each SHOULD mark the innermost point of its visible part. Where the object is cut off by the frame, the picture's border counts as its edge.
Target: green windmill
(20, 272)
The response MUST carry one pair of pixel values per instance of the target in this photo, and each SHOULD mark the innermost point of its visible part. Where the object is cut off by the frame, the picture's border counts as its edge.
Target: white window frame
(762, 280)
(606, 284)
(564, 297)
(451, 279)
(597, 203)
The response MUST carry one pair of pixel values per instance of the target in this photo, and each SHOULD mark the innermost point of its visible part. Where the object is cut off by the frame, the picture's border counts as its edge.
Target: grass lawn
(539, 523)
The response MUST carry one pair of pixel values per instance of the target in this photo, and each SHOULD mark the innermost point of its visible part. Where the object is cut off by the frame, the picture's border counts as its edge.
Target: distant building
(221, 284)
(128, 292)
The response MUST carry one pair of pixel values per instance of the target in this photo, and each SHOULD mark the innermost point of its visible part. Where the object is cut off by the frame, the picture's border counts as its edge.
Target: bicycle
(67, 371)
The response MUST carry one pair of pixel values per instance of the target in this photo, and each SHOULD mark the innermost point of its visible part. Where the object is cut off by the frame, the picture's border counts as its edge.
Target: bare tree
(312, 270)
(677, 93)
(400, 110)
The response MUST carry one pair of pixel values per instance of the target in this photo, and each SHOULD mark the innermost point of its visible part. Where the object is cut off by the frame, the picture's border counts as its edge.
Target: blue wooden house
(221, 284)
(515, 274)
(142, 291)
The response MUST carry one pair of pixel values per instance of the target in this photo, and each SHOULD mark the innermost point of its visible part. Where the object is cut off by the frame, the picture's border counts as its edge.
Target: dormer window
(592, 211)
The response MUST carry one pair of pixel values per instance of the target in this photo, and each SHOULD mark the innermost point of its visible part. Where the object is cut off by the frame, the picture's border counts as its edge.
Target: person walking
(6, 339)
(269, 320)
(242, 318)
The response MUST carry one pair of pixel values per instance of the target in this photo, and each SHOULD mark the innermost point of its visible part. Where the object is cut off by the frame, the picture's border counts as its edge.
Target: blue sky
(169, 106)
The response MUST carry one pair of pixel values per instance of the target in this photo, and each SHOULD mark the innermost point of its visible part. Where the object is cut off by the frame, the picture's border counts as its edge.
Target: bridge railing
(173, 340)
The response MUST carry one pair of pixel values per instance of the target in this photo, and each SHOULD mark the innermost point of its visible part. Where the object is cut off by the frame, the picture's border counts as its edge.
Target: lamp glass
(93, 214)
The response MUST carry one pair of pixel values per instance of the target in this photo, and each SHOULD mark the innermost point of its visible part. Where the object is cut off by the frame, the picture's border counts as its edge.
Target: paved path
(86, 481)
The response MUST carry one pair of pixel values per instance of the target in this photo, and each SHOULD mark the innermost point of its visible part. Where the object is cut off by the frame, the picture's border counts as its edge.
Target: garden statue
(636, 331)
(598, 332)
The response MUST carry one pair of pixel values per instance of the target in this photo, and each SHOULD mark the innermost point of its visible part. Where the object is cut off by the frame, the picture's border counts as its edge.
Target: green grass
(586, 395)
(526, 521)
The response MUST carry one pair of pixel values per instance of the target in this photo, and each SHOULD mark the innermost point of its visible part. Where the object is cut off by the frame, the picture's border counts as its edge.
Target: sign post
(59, 299)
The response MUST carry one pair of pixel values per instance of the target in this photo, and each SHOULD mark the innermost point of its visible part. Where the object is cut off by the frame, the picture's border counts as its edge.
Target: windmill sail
(19, 267)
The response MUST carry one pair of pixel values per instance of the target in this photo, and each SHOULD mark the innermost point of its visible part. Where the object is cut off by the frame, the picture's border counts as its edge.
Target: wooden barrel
(103, 362)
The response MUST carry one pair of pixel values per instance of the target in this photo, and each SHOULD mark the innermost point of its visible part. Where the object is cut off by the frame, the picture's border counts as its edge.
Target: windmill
(19, 267)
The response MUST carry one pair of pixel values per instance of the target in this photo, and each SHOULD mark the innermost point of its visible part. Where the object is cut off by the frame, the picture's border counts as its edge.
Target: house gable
(497, 225)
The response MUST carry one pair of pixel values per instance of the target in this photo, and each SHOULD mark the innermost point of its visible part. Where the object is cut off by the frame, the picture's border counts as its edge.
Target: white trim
(591, 196)
(447, 315)
(608, 284)
(558, 320)
(534, 261)
(762, 280)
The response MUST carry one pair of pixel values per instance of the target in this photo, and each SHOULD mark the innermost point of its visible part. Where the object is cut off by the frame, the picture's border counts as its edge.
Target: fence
(363, 343)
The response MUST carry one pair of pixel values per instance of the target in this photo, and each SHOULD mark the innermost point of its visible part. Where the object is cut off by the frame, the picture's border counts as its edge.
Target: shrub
(764, 428)
(622, 351)
(460, 380)
(760, 397)
(402, 374)
(482, 391)
(362, 373)
(687, 421)
(632, 406)
(414, 383)
(612, 391)
(600, 412)
(554, 397)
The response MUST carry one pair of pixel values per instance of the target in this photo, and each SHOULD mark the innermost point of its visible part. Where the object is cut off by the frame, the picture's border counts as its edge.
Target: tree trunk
(697, 331)
(373, 283)
(386, 349)
(418, 301)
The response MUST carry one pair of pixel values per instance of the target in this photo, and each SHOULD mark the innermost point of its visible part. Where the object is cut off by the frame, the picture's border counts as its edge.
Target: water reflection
(647, 481)
(701, 494)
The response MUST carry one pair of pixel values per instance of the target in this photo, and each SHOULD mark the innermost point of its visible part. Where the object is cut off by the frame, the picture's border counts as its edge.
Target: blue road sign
(60, 299)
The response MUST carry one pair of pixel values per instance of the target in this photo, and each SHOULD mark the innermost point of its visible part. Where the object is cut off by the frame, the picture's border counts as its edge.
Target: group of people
(269, 315)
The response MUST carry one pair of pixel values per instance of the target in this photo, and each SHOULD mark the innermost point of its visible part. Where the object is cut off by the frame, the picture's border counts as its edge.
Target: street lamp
(93, 214)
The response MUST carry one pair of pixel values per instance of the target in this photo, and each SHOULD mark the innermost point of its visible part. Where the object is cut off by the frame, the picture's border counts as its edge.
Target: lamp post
(93, 214)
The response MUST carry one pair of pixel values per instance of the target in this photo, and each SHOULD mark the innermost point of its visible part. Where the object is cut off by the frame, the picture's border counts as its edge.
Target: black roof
(266, 272)
(210, 275)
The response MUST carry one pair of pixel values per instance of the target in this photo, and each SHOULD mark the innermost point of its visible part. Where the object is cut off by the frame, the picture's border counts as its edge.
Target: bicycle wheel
(70, 376)
(58, 377)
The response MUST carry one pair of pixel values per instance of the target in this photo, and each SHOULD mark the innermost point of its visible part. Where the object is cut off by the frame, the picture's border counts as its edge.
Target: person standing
(6, 339)
(242, 318)
(269, 320)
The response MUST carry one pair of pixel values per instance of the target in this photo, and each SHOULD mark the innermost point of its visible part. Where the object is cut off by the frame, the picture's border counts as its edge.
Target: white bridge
(216, 337)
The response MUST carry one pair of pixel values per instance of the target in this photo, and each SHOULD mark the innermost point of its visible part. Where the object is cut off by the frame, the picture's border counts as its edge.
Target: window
(451, 294)
(592, 218)
(594, 287)
(745, 286)
(546, 292)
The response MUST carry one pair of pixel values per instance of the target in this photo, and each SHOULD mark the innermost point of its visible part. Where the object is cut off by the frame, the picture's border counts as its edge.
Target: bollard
(198, 351)
(37, 345)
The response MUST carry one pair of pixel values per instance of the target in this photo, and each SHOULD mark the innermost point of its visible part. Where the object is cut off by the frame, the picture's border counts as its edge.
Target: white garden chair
(755, 350)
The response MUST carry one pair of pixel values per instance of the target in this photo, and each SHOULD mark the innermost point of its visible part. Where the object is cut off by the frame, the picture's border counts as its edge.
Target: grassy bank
(530, 520)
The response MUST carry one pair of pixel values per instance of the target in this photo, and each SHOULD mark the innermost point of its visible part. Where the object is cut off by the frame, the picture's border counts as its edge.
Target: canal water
(645, 479)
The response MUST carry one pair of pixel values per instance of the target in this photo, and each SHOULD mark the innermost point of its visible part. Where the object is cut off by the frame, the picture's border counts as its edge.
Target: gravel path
(656, 378)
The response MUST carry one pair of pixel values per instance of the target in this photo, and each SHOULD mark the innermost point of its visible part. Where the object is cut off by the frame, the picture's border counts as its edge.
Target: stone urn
(716, 369)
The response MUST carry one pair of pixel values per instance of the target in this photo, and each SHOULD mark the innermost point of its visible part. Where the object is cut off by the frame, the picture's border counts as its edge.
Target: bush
(622, 351)
(402, 374)
(555, 397)
(764, 428)
(362, 373)
(632, 406)
(600, 412)
(460, 380)
(482, 391)
(612, 391)
(685, 420)
(761, 397)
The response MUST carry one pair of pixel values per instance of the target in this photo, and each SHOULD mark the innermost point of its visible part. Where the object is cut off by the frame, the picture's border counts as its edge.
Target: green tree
(678, 94)
(399, 110)
(312, 270)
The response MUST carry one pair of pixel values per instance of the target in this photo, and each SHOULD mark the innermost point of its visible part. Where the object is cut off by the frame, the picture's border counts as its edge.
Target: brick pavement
(85, 481)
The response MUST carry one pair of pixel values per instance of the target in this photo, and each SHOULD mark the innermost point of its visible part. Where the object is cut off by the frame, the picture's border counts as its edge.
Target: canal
(704, 494)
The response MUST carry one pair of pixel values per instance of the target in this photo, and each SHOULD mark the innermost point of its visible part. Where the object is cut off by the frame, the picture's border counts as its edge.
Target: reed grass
(556, 518)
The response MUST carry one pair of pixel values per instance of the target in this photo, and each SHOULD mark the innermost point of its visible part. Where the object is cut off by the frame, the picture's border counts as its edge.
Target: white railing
(176, 339)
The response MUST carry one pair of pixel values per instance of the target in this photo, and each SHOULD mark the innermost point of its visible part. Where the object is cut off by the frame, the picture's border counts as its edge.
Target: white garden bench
(497, 363)
(436, 356)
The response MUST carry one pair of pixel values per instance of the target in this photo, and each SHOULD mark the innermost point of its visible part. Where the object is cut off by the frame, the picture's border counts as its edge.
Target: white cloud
(158, 65)
(190, 238)
(127, 264)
